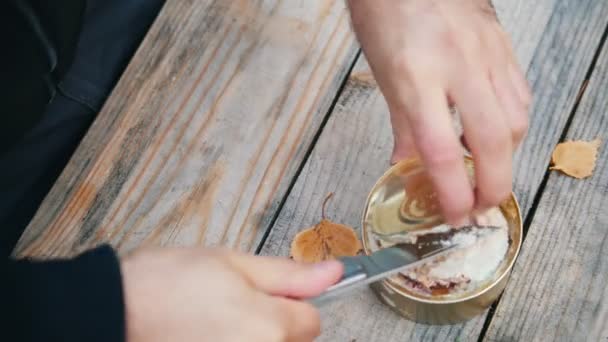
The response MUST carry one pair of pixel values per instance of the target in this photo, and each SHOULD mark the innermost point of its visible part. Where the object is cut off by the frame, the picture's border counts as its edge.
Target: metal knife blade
(365, 269)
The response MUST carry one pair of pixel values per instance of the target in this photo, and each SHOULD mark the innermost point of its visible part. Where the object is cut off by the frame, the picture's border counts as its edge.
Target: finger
(521, 84)
(487, 136)
(284, 277)
(514, 71)
(441, 152)
(515, 111)
(505, 87)
(404, 146)
(300, 320)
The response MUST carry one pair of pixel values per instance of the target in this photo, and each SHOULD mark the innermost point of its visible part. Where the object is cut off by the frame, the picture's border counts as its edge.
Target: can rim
(474, 295)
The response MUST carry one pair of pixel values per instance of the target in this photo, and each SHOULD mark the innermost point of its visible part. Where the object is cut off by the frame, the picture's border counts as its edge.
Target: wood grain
(556, 74)
(354, 147)
(558, 289)
(199, 140)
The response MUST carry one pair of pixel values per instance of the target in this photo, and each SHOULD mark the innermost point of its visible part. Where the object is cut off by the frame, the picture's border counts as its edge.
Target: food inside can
(452, 287)
(463, 270)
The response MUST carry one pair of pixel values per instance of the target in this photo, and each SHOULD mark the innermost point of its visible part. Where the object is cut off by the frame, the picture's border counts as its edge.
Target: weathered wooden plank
(353, 151)
(558, 291)
(199, 140)
(556, 73)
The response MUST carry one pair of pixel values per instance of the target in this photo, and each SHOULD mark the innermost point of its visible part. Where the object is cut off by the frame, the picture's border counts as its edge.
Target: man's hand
(429, 54)
(212, 295)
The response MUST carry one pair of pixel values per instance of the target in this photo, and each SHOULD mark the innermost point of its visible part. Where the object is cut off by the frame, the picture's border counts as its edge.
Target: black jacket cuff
(80, 299)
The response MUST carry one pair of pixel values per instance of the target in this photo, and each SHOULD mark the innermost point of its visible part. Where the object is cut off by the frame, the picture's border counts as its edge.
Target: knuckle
(487, 8)
(503, 38)
(403, 65)
(493, 40)
(315, 323)
(450, 40)
(497, 195)
(525, 92)
(282, 320)
(439, 153)
(442, 158)
(414, 107)
(413, 68)
(463, 206)
(463, 42)
(494, 187)
(309, 322)
(519, 127)
(506, 38)
(467, 203)
(527, 98)
(494, 141)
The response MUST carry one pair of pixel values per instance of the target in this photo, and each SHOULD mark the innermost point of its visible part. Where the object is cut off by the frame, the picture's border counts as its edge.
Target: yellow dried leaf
(575, 158)
(326, 240)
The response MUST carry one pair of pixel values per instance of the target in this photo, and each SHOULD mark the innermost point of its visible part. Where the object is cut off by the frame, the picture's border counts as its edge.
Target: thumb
(283, 277)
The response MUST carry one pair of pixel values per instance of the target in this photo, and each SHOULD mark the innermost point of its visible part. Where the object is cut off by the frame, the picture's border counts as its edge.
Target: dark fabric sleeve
(79, 299)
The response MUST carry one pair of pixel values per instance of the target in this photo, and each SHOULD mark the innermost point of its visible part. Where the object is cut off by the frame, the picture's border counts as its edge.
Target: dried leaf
(326, 240)
(575, 158)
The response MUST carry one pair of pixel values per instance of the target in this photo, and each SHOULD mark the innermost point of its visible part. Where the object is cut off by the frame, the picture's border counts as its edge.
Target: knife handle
(354, 271)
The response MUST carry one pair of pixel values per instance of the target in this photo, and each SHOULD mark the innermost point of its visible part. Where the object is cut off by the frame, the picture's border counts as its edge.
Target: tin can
(407, 303)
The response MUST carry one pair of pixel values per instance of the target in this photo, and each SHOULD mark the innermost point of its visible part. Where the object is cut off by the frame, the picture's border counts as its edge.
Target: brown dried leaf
(327, 240)
(575, 158)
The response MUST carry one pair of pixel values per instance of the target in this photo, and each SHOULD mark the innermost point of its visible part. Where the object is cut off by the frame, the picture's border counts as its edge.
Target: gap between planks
(539, 193)
(308, 152)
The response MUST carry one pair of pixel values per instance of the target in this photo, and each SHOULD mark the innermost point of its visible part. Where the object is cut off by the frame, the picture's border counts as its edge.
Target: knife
(365, 269)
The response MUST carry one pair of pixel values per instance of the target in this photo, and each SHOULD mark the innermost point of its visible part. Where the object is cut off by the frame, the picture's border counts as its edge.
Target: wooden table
(236, 118)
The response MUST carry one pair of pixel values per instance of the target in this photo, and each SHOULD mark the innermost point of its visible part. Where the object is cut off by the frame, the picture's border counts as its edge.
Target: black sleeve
(79, 299)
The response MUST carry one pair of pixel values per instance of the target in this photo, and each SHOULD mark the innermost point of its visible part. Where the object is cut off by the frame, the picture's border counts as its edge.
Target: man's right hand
(195, 294)
(429, 54)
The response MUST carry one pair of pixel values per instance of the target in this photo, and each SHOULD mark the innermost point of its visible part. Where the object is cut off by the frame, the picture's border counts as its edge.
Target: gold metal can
(404, 214)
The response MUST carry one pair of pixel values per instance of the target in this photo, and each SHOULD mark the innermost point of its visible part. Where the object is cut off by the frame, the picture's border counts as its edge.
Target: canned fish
(450, 289)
